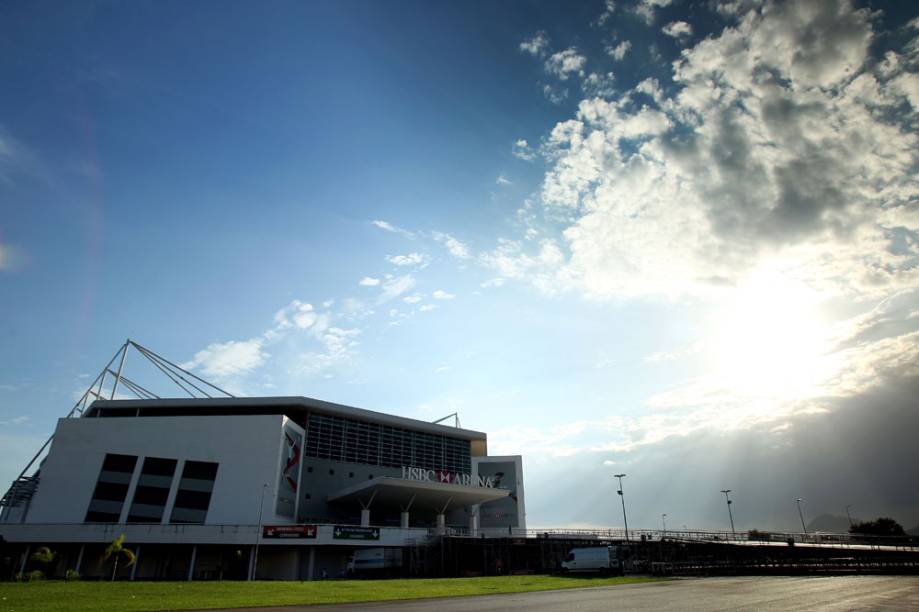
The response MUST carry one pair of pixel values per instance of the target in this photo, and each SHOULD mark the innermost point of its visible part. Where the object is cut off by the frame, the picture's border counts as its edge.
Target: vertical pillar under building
(25, 559)
(365, 517)
(474, 520)
(251, 573)
(79, 564)
(403, 520)
(136, 561)
(312, 563)
(441, 523)
(191, 563)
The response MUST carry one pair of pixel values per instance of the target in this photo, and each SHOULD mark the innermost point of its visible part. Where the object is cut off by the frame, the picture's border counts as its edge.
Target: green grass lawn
(53, 595)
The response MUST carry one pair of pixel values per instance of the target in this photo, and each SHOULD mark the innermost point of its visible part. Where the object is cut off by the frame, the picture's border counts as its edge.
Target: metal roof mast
(194, 386)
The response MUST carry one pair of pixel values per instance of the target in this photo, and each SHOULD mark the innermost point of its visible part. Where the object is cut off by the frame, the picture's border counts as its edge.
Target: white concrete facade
(246, 447)
(271, 477)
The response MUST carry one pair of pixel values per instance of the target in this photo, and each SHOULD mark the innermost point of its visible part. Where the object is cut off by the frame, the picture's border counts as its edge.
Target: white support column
(474, 520)
(312, 563)
(191, 564)
(404, 517)
(25, 559)
(132, 487)
(79, 559)
(173, 491)
(136, 561)
(251, 573)
(365, 517)
(442, 518)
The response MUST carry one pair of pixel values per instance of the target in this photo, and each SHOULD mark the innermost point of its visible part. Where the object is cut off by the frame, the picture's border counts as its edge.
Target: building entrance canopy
(406, 494)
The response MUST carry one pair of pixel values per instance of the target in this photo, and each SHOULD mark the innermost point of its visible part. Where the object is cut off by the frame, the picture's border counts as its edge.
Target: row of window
(342, 439)
(193, 495)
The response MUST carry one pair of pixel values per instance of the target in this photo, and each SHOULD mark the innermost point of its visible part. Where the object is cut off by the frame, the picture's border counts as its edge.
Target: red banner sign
(288, 531)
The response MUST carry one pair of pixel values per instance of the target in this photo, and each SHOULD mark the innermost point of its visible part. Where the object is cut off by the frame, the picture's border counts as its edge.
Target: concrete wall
(246, 447)
(508, 512)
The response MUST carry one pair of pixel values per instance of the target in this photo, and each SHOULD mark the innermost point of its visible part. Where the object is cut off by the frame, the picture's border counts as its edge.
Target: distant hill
(831, 523)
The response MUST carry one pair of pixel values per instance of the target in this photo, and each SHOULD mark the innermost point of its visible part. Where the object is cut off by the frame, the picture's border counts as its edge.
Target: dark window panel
(119, 463)
(187, 515)
(202, 470)
(195, 500)
(110, 491)
(101, 517)
(151, 495)
(159, 467)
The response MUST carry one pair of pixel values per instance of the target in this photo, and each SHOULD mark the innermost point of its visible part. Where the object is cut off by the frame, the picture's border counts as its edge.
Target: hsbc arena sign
(444, 477)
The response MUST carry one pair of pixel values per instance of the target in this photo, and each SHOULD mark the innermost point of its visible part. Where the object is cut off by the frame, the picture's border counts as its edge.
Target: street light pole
(849, 516)
(622, 499)
(730, 514)
(801, 514)
(258, 530)
(664, 523)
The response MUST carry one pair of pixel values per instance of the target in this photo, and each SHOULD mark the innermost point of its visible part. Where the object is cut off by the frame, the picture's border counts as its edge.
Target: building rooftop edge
(295, 402)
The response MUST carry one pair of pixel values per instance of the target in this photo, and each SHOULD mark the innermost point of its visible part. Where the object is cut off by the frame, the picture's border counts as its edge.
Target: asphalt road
(750, 593)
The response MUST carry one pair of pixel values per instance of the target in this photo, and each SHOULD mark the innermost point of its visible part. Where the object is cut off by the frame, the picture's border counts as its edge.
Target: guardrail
(247, 532)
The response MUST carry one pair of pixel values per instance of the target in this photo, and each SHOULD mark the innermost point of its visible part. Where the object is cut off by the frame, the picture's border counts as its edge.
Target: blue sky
(667, 238)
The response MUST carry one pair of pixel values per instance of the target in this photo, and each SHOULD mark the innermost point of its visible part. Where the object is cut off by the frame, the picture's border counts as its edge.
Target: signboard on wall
(289, 468)
(289, 531)
(444, 477)
(356, 533)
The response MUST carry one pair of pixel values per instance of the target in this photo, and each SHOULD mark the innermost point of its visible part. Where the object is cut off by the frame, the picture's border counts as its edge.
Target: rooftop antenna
(23, 488)
(455, 416)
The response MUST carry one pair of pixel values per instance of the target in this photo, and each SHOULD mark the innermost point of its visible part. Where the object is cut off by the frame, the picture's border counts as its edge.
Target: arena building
(272, 487)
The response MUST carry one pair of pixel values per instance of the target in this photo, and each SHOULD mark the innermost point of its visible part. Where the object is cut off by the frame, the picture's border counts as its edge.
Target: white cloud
(19, 420)
(599, 85)
(225, 359)
(503, 181)
(396, 286)
(555, 95)
(410, 259)
(618, 52)
(565, 63)
(297, 314)
(646, 9)
(609, 7)
(369, 281)
(747, 181)
(442, 295)
(493, 282)
(454, 246)
(535, 46)
(522, 150)
(389, 227)
(677, 29)
(413, 299)
(427, 307)
(780, 150)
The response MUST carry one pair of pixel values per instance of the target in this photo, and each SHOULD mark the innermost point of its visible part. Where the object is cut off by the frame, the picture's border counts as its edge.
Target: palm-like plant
(116, 549)
(44, 557)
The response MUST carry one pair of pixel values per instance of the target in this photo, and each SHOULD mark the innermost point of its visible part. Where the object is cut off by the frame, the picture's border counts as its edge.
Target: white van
(594, 559)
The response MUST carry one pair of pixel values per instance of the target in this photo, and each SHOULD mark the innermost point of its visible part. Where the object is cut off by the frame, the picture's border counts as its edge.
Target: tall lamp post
(801, 514)
(849, 516)
(622, 499)
(258, 530)
(730, 514)
(664, 523)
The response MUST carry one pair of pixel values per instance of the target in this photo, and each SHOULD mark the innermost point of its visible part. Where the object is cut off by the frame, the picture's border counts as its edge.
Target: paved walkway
(834, 593)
